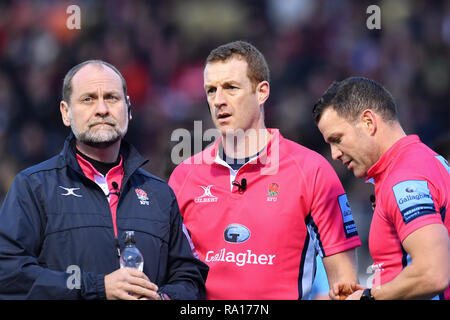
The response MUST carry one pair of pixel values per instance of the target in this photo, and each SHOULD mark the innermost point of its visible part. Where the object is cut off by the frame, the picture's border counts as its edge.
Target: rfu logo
(207, 196)
(272, 193)
(142, 196)
(236, 233)
(70, 192)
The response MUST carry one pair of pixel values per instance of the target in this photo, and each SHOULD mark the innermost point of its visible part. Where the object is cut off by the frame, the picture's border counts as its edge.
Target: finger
(126, 295)
(143, 283)
(332, 295)
(136, 273)
(139, 292)
(139, 278)
(336, 288)
(359, 287)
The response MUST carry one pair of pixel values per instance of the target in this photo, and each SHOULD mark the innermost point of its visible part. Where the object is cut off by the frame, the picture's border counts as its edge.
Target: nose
(101, 107)
(336, 154)
(219, 98)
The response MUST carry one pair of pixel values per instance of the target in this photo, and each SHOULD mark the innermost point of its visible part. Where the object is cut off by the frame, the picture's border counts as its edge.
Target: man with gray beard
(63, 220)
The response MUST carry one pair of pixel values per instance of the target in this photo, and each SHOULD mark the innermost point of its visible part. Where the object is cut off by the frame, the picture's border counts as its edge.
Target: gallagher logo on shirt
(236, 233)
(207, 196)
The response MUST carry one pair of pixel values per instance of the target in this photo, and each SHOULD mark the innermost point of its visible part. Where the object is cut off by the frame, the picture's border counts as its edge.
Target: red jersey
(412, 190)
(261, 240)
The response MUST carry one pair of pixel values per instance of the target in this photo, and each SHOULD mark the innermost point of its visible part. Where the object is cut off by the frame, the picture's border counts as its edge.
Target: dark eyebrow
(115, 92)
(230, 83)
(333, 137)
(89, 94)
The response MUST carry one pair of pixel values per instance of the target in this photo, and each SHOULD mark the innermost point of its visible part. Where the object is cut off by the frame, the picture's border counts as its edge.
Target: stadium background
(160, 47)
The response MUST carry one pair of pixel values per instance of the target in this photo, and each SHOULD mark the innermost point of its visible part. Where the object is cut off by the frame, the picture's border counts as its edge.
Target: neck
(240, 145)
(108, 154)
(390, 136)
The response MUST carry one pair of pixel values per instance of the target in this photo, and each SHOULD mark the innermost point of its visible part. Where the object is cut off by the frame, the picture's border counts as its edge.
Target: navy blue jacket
(46, 235)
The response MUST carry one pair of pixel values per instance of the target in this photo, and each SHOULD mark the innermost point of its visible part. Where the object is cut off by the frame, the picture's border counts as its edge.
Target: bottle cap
(130, 237)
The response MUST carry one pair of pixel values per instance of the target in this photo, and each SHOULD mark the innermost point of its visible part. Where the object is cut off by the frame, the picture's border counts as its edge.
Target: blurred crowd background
(160, 47)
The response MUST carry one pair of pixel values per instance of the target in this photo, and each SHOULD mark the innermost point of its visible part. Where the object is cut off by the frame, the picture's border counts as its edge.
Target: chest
(269, 209)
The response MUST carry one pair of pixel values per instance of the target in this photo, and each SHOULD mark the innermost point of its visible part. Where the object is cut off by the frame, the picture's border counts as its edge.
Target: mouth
(102, 123)
(347, 164)
(223, 116)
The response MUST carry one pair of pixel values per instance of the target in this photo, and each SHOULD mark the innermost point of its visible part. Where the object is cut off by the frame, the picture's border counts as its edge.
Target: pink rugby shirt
(261, 242)
(412, 190)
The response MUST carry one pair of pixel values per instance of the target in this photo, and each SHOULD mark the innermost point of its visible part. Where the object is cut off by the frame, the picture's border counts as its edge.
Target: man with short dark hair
(409, 234)
(63, 220)
(259, 207)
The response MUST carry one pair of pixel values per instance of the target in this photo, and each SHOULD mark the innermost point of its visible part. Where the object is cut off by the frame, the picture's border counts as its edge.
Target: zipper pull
(116, 241)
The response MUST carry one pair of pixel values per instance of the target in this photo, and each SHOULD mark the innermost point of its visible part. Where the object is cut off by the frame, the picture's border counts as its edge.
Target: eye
(111, 98)
(87, 99)
(336, 140)
(210, 91)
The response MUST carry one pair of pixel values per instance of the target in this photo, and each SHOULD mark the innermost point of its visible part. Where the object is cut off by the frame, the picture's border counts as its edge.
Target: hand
(355, 295)
(130, 284)
(341, 290)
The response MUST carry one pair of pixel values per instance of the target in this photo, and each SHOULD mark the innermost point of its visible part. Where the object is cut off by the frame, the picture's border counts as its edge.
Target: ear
(263, 91)
(64, 108)
(128, 103)
(369, 121)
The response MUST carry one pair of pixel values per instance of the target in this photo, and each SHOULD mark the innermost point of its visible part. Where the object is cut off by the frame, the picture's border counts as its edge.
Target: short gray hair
(67, 83)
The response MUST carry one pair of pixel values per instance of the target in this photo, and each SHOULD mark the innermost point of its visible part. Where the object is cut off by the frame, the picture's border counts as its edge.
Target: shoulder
(306, 159)
(155, 182)
(40, 173)
(198, 162)
(419, 165)
(45, 166)
(150, 177)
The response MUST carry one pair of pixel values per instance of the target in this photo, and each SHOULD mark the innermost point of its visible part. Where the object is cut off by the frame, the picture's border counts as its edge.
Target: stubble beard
(99, 138)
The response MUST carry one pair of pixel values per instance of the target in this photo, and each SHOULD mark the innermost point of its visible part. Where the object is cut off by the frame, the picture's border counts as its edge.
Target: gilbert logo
(272, 193)
(207, 196)
(70, 192)
(142, 196)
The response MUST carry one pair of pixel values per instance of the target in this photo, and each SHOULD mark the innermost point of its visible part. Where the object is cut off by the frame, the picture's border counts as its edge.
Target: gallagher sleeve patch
(413, 199)
(349, 224)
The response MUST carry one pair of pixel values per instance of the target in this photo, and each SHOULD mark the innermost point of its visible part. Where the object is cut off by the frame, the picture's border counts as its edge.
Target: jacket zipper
(117, 245)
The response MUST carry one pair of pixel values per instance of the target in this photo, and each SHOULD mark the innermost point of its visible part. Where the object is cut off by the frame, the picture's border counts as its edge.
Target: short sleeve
(411, 205)
(331, 223)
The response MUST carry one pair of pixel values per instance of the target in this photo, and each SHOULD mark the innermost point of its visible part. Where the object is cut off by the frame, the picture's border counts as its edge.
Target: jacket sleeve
(22, 274)
(186, 274)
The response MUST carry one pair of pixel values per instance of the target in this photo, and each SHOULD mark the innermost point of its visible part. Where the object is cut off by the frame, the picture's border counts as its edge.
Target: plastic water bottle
(131, 257)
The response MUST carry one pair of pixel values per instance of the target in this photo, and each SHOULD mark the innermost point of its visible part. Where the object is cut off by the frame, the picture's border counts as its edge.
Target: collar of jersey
(266, 152)
(115, 174)
(377, 170)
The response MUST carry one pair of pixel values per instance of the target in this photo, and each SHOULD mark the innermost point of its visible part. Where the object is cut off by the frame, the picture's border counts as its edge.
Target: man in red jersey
(260, 207)
(409, 238)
